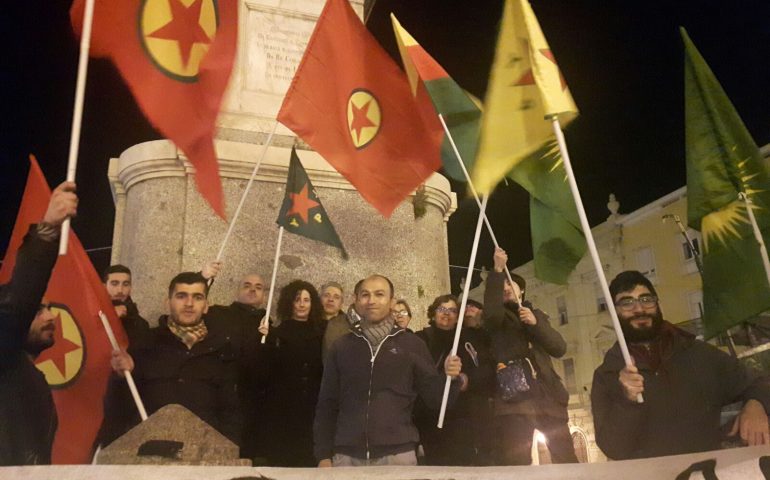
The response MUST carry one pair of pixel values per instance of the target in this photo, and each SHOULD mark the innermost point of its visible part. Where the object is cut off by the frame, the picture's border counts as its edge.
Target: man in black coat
(522, 337)
(684, 381)
(119, 283)
(27, 415)
(240, 320)
(185, 363)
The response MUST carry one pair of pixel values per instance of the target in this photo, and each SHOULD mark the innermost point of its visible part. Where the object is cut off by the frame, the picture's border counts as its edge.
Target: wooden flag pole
(129, 377)
(757, 234)
(77, 112)
(463, 303)
(592, 245)
(246, 192)
(473, 190)
(266, 319)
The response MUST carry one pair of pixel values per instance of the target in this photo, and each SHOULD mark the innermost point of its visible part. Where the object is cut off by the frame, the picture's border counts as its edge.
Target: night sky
(621, 59)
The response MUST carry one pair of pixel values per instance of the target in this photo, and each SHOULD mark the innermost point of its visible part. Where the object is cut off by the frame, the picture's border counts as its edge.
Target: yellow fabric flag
(525, 89)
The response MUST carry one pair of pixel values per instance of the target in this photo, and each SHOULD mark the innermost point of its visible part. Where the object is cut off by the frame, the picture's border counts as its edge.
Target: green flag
(302, 212)
(558, 242)
(722, 161)
(461, 114)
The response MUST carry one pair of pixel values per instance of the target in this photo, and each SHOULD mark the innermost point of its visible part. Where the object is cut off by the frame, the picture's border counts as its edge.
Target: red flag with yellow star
(353, 105)
(302, 212)
(77, 366)
(176, 57)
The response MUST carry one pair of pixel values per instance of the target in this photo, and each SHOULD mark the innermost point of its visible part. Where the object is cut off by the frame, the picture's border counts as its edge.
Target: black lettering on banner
(706, 467)
(764, 467)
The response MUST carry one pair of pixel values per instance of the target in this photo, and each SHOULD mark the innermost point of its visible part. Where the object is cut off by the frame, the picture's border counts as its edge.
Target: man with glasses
(684, 381)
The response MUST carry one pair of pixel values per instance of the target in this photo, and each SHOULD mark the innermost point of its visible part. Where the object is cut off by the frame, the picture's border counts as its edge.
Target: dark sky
(622, 60)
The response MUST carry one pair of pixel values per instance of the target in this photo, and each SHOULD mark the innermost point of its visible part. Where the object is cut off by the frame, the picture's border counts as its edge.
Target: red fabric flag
(176, 57)
(353, 105)
(77, 366)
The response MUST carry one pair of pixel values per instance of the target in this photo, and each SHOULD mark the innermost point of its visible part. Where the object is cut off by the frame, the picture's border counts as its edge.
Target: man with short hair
(240, 320)
(186, 363)
(371, 380)
(337, 324)
(118, 282)
(685, 382)
(28, 419)
(523, 340)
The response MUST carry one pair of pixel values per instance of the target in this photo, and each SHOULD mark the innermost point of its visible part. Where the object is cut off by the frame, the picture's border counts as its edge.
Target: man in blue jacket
(372, 377)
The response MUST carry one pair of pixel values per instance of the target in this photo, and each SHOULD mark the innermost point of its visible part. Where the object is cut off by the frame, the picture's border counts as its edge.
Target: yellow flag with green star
(525, 89)
(723, 161)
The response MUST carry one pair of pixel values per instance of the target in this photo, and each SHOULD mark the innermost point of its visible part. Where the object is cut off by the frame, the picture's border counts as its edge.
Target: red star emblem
(361, 119)
(184, 28)
(301, 203)
(529, 79)
(58, 352)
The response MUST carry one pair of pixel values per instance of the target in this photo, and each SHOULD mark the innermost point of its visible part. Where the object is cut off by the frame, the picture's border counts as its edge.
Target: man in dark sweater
(371, 380)
(685, 383)
(27, 415)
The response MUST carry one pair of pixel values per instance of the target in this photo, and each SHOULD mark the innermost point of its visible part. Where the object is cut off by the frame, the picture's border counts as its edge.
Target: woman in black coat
(456, 443)
(293, 350)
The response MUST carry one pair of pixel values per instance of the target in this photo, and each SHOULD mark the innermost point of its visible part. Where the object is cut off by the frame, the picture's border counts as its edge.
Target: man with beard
(118, 282)
(27, 415)
(685, 383)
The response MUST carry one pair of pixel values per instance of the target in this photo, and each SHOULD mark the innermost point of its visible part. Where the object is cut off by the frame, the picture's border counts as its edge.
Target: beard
(35, 344)
(645, 333)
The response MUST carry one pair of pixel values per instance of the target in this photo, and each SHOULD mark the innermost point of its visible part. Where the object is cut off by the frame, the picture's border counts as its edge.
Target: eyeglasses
(402, 313)
(646, 301)
(446, 310)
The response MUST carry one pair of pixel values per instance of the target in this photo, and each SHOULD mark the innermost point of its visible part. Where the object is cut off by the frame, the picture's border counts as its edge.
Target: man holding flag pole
(27, 412)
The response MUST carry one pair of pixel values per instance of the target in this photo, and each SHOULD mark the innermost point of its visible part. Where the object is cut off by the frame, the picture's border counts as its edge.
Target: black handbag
(516, 380)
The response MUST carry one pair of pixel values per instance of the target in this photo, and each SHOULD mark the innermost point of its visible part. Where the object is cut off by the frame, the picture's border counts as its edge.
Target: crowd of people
(332, 383)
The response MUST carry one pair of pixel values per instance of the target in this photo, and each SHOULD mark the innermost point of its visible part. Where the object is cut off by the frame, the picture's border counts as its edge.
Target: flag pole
(463, 303)
(592, 245)
(473, 189)
(77, 112)
(757, 234)
(246, 192)
(266, 319)
(129, 377)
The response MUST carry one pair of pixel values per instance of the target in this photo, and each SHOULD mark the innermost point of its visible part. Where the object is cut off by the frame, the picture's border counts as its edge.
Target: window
(645, 261)
(561, 308)
(569, 375)
(695, 301)
(688, 256)
(580, 444)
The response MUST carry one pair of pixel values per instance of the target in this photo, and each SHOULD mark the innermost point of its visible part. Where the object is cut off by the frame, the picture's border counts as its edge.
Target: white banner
(735, 464)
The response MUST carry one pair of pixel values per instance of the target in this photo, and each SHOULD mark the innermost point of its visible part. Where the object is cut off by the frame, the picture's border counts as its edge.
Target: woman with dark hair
(456, 443)
(293, 349)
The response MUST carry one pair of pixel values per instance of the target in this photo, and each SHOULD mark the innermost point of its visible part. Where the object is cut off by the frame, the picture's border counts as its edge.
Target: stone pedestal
(172, 436)
(163, 226)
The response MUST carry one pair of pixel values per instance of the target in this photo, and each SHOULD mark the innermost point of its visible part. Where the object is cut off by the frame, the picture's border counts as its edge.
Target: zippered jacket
(367, 395)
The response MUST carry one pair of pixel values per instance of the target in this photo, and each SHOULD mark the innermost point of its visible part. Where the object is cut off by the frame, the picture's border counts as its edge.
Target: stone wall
(163, 227)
